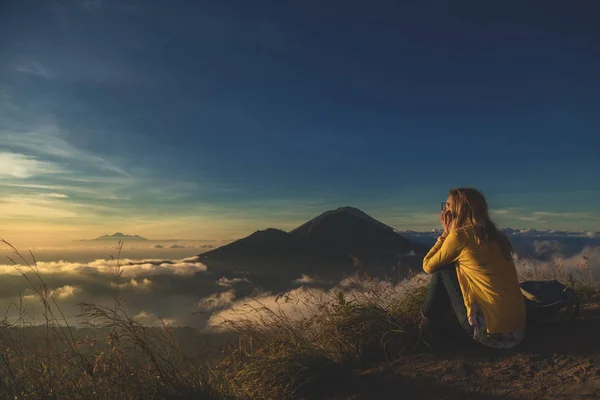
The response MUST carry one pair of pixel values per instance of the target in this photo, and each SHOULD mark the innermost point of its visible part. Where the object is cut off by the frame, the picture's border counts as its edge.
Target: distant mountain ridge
(120, 236)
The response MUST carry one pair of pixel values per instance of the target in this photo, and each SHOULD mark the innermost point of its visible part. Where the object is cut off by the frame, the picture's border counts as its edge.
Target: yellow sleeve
(445, 251)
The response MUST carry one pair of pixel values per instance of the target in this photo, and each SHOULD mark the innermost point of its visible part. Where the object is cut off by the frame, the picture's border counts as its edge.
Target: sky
(212, 119)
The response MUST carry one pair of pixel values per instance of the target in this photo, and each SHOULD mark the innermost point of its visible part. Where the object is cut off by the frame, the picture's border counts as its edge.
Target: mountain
(120, 236)
(333, 242)
(355, 213)
(348, 230)
(266, 243)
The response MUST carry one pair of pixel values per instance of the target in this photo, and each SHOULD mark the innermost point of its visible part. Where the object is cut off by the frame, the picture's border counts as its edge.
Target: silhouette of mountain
(263, 243)
(345, 211)
(336, 241)
(120, 236)
(348, 230)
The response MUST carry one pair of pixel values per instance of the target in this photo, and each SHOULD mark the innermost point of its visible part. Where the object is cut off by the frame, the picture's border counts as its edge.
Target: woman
(474, 272)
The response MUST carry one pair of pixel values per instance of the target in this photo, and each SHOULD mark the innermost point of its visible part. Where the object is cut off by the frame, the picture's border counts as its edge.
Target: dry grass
(280, 356)
(125, 360)
(286, 348)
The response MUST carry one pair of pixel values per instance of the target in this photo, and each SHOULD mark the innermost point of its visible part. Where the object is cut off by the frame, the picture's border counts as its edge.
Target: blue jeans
(444, 293)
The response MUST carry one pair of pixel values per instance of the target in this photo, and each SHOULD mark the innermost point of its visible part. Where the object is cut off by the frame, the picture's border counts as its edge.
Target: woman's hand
(446, 221)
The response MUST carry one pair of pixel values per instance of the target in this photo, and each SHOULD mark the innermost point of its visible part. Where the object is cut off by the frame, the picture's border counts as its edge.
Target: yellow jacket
(486, 278)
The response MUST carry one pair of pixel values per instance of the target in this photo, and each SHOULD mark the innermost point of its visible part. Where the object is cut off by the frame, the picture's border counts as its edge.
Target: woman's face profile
(449, 204)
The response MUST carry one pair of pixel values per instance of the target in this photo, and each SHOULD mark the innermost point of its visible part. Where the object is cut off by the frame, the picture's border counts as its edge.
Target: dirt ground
(556, 361)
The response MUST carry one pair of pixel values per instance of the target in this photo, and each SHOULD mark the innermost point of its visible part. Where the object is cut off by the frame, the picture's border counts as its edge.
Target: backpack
(549, 300)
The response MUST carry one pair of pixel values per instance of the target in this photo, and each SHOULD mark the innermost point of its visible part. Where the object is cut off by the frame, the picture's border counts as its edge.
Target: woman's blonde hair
(470, 209)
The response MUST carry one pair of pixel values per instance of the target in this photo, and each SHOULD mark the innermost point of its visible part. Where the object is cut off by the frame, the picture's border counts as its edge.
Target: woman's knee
(444, 272)
(446, 268)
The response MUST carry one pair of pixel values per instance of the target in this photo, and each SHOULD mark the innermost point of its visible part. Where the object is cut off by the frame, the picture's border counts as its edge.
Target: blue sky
(214, 119)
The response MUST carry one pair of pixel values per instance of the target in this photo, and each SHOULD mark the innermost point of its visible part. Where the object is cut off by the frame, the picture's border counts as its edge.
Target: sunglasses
(443, 205)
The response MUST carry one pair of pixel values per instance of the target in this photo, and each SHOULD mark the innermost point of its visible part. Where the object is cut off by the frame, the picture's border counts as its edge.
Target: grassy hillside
(358, 343)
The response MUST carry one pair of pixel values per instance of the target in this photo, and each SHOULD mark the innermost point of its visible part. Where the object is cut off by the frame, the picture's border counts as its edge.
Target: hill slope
(556, 361)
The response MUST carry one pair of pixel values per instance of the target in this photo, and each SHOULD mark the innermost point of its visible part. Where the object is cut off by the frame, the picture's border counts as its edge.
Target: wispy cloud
(72, 186)
(16, 165)
(33, 186)
(509, 211)
(141, 284)
(544, 217)
(217, 301)
(35, 206)
(307, 280)
(531, 219)
(47, 140)
(41, 150)
(226, 282)
(54, 195)
(36, 69)
(500, 212)
(563, 214)
(63, 180)
(151, 319)
(65, 291)
(136, 270)
(53, 207)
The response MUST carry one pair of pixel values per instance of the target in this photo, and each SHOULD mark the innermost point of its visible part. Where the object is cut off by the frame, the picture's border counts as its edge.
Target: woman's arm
(445, 251)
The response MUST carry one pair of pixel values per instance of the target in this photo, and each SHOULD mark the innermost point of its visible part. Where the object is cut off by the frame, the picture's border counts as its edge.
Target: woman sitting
(474, 273)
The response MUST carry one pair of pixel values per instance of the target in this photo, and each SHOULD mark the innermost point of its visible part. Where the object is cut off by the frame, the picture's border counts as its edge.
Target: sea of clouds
(184, 292)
